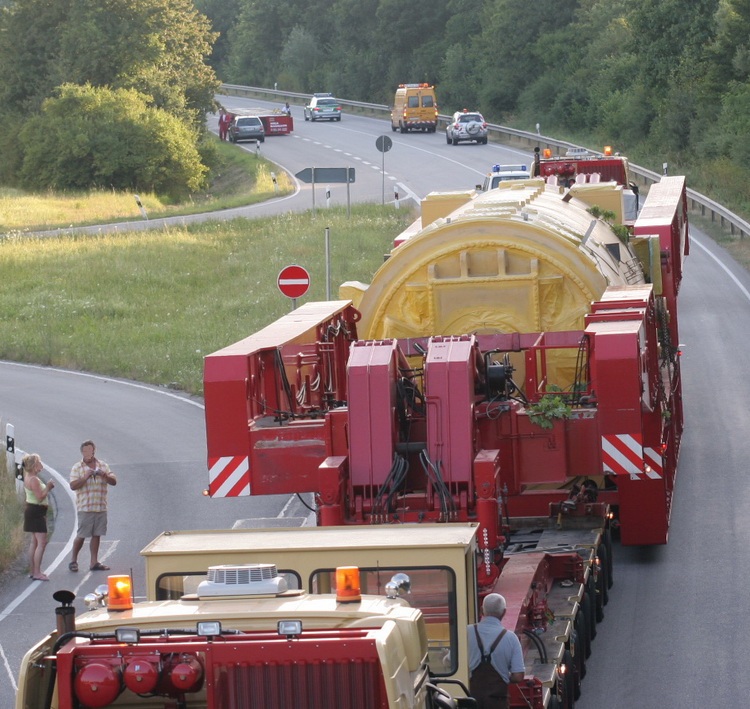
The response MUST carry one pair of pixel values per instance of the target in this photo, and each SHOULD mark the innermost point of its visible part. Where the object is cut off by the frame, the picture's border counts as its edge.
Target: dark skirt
(35, 518)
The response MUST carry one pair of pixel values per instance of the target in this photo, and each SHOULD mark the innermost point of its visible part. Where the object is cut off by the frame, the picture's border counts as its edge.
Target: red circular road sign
(293, 281)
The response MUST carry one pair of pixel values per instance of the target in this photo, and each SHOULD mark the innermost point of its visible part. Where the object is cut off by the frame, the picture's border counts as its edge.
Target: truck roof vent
(242, 580)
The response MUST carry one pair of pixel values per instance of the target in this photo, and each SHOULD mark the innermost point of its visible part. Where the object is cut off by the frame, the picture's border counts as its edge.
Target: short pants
(92, 524)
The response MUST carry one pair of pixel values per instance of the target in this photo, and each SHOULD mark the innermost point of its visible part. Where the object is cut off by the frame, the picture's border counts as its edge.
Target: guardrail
(697, 202)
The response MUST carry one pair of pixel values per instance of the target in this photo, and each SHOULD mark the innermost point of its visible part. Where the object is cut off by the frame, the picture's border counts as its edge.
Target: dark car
(246, 128)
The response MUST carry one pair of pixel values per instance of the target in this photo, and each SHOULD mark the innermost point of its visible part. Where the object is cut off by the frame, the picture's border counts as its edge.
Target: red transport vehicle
(513, 363)
(275, 122)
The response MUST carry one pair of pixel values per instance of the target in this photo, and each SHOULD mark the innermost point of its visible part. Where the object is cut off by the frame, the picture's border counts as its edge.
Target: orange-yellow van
(414, 108)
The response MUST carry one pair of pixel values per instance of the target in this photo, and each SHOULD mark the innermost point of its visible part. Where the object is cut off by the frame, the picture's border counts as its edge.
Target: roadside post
(140, 206)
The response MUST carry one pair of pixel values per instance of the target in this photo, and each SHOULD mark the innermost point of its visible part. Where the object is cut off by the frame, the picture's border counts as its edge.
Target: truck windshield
(433, 591)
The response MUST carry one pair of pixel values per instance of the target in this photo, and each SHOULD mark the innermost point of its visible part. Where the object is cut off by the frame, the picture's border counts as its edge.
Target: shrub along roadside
(237, 178)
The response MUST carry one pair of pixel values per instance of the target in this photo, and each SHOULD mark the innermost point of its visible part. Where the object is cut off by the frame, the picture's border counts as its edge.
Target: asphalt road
(674, 634)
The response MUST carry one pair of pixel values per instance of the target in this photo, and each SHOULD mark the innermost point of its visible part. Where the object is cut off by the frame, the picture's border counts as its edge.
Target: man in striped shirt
(89, 479)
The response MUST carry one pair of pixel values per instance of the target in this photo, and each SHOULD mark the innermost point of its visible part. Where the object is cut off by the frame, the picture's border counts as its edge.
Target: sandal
(99, 567)
(72, 566)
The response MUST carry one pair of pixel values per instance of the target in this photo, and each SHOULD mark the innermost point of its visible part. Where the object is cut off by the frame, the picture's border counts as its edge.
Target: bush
(91, 137)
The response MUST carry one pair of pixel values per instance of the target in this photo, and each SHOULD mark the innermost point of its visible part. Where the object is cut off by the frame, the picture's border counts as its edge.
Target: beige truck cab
(414, 108)
(270, 618)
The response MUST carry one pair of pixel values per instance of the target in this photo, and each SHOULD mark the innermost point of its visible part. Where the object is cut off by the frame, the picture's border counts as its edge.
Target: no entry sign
(293, 281)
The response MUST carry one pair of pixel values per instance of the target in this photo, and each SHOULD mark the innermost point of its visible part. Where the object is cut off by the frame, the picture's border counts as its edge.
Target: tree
(112, 138)
(300, 58)
(158, 47)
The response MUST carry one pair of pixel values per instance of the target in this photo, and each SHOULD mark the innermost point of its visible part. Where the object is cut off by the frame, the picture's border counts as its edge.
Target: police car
(503, 173)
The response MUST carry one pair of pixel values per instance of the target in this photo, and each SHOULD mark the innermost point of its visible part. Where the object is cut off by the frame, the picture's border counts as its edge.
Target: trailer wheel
(601, 552)
(610, 557)
(583, 645)
(589, 602)
(601, 584)
(588, 620)
(570, 680)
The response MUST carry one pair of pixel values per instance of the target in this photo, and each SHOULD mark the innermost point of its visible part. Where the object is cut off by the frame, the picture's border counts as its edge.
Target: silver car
(246, 128)
(323, 106)
(466, 126)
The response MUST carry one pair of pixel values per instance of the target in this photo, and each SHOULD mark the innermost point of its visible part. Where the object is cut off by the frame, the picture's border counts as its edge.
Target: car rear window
(328, 102)
(427, 102)
(248, 121)
(471, 118)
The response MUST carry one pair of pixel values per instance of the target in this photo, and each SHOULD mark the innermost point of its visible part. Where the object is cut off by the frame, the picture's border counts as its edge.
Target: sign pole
(382, 175)
(328, 263)
(383, 144)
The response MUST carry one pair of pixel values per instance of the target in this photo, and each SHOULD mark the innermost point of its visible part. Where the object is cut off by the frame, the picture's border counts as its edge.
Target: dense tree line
(667, 80)
(661, 80)
(108, 93)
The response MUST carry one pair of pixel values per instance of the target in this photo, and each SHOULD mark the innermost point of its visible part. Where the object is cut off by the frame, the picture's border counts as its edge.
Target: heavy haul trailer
(514, 362)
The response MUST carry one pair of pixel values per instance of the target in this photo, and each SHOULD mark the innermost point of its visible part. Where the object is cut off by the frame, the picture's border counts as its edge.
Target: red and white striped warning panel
(229, 476)
(624, 454)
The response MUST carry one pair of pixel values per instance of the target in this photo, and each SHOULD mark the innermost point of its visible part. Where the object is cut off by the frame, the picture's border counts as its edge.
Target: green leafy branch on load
(550, 406)
(610, 218)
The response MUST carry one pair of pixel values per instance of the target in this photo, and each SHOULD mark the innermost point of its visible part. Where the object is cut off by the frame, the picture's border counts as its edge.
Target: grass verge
(149, 305)
(11, 517)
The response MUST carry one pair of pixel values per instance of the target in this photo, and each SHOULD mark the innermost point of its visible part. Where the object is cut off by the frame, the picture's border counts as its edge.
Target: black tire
(570, 680)
(402, 127)
(554, 703)
(604, 564)
(307, 117)
(455, 141)
(610, 557)
(447, 139)
(601, 582)
(484, 141)
(339, 118)
(589, 606)
(261, 140)
(585, 613)
(583, 647)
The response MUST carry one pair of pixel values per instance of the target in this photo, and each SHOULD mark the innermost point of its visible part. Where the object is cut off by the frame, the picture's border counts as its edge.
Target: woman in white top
(35, 512)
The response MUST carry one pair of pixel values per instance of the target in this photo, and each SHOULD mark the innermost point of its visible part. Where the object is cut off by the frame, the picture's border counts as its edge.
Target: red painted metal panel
(318, 670)
(449, 390)
(372, 373)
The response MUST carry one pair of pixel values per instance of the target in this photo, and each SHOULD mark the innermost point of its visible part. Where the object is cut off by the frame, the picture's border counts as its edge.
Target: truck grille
(355, 684)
